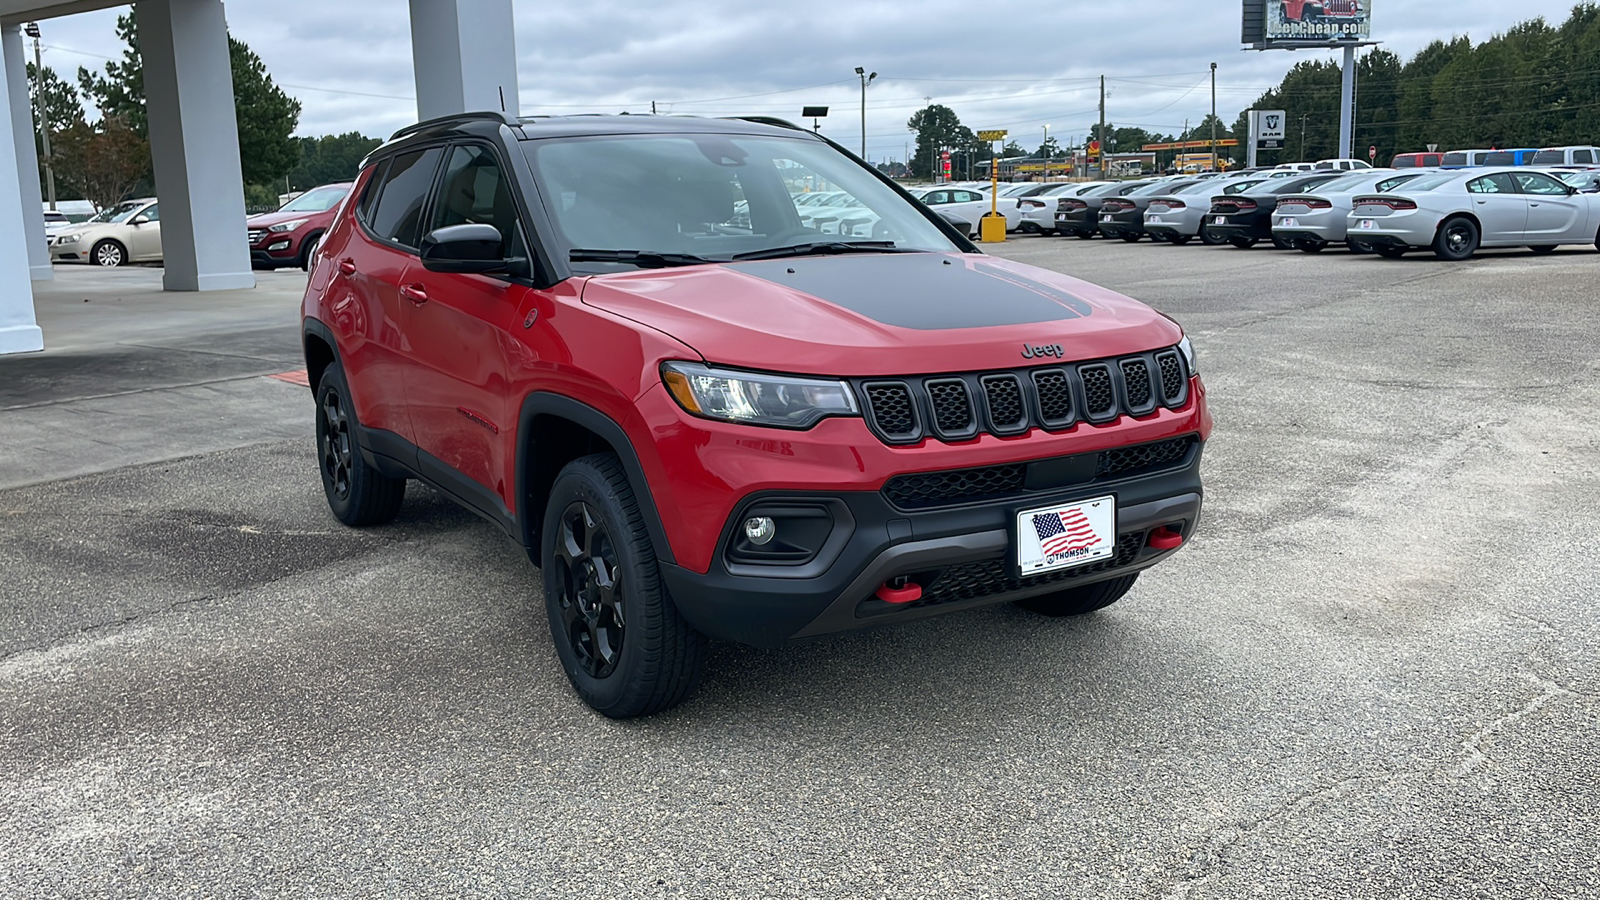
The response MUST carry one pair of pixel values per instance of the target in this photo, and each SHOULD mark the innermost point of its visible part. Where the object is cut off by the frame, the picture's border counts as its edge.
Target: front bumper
(960, 555)
(276, 249)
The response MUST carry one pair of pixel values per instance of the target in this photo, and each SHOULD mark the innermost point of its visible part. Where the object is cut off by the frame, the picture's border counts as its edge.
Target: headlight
(1187, 349)
(755, 398)
(69, 239)
(286, 226)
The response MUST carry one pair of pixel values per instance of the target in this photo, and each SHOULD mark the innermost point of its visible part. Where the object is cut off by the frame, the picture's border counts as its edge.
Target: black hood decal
(927, 291)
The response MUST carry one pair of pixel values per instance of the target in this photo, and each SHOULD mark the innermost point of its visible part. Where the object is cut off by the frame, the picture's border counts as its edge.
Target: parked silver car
(1456, 212)
(1179, 217)
(125, 233)
(1312, 221)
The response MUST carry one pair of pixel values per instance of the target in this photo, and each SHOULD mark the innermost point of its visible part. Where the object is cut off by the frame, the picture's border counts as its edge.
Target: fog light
(760, 530)
(280, 245)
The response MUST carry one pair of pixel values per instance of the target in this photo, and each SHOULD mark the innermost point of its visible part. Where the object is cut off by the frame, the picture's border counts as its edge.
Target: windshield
(1347, 183)
(120, 213)
(712, 196)
(1237, 187)
(1159, 187)
(317, 200)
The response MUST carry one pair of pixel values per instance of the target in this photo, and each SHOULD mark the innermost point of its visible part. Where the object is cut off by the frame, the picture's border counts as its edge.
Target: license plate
(1105, 218)
(1061, 217)
(1288, 222)
(1154, 220)
(1368, 223)
(1068, 535)
(1220, 220)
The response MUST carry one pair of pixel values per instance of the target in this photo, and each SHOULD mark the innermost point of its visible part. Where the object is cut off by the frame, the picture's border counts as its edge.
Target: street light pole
(32, 30)
(1213, 117)
(865, 80)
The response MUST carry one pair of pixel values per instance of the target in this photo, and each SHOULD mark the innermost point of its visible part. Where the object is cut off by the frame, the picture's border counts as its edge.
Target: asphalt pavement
(1372, 674)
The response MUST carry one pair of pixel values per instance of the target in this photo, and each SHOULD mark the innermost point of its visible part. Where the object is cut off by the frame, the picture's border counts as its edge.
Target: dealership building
(463, 53)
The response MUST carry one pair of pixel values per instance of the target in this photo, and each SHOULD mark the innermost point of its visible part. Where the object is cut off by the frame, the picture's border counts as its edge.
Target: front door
(1554, 216)
(457, 327)
(144, 240)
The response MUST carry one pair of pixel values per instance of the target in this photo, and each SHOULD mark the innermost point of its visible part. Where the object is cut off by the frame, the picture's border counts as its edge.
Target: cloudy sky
(1035, 64)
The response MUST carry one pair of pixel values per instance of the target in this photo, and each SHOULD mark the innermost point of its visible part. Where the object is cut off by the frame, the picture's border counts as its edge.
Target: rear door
(1501, 209)
(457, 327)
(1554, 216)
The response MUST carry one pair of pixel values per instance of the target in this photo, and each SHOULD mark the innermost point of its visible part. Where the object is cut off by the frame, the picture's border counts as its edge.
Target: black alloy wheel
(1085, 235)
(591, 590)
(1391, 252)
(1210, 238)
(1456, 240)
(1132, 237)
(1282, 243)
(1358, 248)
(620, 638)
(1310, 246)
(1243, 243)
(1179, 239)
(358, 494)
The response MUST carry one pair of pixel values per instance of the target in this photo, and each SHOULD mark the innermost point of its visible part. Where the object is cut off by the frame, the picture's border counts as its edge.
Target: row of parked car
(130, 232)
(1452, 211)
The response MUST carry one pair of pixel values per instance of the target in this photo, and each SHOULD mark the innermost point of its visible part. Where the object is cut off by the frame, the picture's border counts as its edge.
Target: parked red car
(615, 338)
(289, 236)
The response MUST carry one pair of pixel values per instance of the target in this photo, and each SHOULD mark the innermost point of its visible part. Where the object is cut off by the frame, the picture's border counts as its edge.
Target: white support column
(19, 331)
(194, 144)
(465, 56)
(27, 157)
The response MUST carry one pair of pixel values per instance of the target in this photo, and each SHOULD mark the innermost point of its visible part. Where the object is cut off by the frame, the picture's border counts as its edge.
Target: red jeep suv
(614, 338)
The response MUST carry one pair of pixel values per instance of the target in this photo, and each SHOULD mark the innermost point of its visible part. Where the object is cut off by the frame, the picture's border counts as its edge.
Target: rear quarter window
(398, 216)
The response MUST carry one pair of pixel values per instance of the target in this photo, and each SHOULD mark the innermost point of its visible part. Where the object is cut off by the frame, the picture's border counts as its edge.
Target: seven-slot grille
(958, 407)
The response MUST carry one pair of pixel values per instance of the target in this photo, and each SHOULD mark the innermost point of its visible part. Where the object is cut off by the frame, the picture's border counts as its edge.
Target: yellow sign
(995, 135)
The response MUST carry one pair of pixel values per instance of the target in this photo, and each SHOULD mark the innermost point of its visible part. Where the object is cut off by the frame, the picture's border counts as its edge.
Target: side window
(405, 191)
(934, 198)
(475, 191)
(1389, 184)
(1583, 156)
(1537, 183)
(966, 197)
(369, 194)
(153, 212)
(1499, 183)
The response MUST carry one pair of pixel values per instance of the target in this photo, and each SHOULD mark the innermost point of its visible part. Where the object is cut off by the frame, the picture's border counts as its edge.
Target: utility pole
(865, 80)
(1101, 137)
(32, 30)
(1213, 117)
(1303, 137)
(1047, 153)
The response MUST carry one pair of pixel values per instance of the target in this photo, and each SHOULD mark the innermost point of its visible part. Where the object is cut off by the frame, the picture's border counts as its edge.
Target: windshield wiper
(820, 248)
(644, 259)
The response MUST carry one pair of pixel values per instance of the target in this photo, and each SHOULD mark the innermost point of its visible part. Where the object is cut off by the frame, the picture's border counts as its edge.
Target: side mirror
(140, 219)
(466, 248)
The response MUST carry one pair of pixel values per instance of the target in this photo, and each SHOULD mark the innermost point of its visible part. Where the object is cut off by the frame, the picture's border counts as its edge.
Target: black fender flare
(544, 403)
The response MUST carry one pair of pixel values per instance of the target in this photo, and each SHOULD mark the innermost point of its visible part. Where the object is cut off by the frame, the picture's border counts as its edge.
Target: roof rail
(500, 117)
(770, 120)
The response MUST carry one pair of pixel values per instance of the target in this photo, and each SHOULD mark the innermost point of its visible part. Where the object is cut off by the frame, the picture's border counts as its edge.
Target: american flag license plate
(1060, 537)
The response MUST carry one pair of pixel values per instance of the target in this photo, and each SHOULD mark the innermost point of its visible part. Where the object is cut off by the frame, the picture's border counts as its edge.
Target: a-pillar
(194, 145)
(19, 331)
(27, 156)
(465, 56)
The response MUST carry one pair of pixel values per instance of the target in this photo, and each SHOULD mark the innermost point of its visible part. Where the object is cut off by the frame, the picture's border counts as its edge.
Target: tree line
(107, 160)
(1535, 85)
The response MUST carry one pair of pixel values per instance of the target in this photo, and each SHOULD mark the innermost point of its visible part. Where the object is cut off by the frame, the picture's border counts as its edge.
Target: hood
(882, 314)
(262, 220)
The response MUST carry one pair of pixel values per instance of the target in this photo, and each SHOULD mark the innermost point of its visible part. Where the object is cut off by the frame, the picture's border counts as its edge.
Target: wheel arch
(1464, 214)
(306, 243)
(321, 350)
(542, 450)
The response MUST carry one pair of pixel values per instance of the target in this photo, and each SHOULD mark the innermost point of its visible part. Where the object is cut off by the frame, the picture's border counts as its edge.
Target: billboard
(1269, 23)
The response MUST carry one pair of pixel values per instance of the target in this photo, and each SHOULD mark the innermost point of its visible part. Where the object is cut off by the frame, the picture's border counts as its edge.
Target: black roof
(535, 127)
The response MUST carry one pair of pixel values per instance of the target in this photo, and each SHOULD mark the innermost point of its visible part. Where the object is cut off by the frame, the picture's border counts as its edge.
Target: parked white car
(1342, 165)
(1457, 212)
(967, 206)
(1315, 219)
(126, 233)
(1179, 217)
(1039, 210)
(55, 221)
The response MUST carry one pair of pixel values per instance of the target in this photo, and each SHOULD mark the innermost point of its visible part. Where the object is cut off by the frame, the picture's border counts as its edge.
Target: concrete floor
(1371, 675)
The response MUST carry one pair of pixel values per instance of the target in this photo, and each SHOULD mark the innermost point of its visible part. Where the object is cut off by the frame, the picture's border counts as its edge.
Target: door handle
(347, 266)
(415, 293)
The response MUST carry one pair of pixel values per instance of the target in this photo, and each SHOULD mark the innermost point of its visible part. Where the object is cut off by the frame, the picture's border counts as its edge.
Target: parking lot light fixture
(866, 79)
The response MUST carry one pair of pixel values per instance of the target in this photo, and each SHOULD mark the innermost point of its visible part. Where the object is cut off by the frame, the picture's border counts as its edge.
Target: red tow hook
(903, 592)
(1167, 537)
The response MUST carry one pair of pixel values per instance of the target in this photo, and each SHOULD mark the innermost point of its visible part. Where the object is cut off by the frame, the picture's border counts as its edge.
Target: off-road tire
(358, 494)
(109, 253)
(1080, 600)
(657, 658)
(1457, 239)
